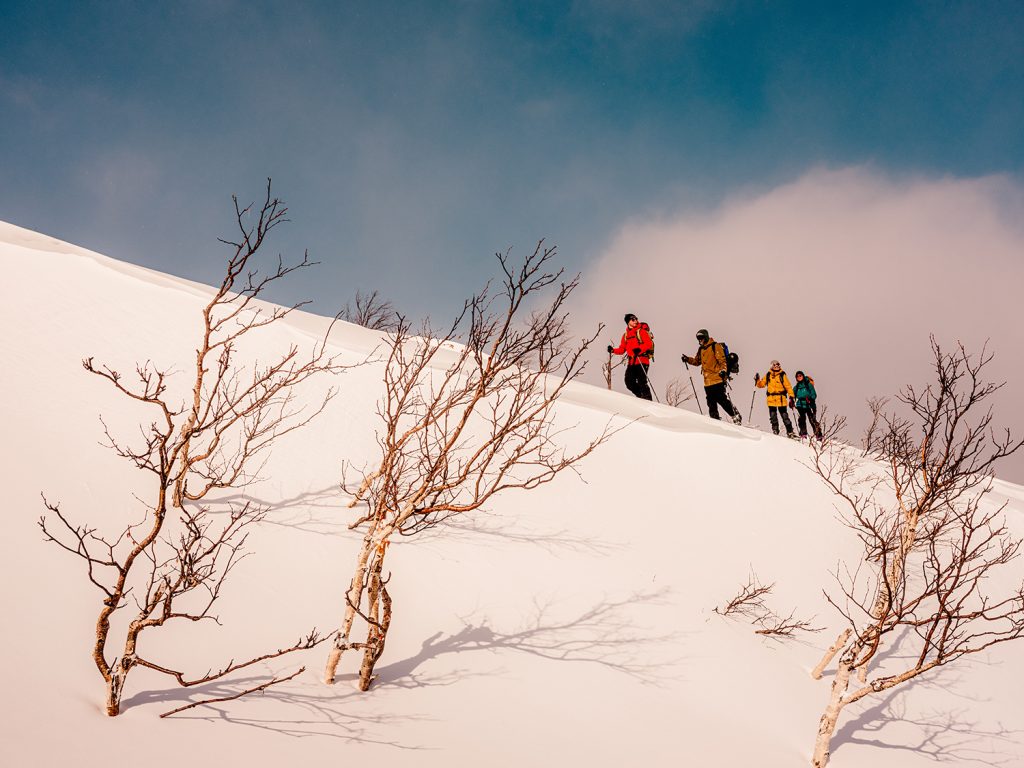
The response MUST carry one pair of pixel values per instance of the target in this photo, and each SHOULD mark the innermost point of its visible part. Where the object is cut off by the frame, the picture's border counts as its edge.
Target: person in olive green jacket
(780, 395)
(711, 359)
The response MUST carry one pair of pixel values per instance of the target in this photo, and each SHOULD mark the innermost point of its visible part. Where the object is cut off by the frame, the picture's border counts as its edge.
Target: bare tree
(676, 393)
(877, 406)
(172, 564)
(372, 311)
(831, 426)
(931, 544)
(461, 423)
(608, 367)
(784, 627)
(751, 603)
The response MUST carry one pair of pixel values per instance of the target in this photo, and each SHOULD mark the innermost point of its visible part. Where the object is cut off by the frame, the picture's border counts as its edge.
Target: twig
(262, 687)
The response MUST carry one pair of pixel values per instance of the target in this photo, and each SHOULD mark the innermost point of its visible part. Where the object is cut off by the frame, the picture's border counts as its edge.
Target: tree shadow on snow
(322, 512)
(950, 736)
(483, 529)
(314, 710)
(604, 635)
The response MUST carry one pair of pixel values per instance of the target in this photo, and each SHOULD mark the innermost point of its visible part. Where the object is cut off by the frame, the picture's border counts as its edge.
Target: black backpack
(732, 360)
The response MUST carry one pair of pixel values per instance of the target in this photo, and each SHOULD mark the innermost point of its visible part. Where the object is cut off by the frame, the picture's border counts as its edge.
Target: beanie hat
(629, 316)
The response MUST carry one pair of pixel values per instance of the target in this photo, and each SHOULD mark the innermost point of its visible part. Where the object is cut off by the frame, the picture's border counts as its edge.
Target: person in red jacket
(637, 345)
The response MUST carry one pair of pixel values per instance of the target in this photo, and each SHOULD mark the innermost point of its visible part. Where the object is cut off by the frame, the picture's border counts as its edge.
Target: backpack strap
(768, 380)
(646, 329)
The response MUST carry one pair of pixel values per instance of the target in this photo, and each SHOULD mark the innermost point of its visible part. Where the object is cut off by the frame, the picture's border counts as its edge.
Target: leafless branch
(467, 413)
(372, 311)
(915, 498)
(677, 393)
(774, 625)
(749, 602)
(255, 689)
(211, 435)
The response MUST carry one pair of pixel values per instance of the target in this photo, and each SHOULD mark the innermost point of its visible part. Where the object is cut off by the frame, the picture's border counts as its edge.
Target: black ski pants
(773, 415)
(637, 381)
(803, 414)
(717, 396)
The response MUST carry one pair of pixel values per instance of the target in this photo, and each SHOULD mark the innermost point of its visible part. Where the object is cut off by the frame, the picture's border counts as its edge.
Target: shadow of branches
(604, 635)
(482, 529)
(318, 511)
(304, 709)
(945, 737)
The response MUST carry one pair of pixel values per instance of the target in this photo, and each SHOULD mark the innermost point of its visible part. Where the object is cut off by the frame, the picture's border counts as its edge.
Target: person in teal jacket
(806, 404)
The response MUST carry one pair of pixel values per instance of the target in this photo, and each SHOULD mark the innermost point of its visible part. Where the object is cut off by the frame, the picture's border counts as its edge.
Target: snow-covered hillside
(569, 625)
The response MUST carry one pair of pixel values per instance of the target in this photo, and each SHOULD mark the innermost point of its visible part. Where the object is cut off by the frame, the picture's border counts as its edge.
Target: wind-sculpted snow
(571, 625)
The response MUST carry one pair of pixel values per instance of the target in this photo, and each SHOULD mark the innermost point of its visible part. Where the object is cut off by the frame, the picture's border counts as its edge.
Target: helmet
(702, 334)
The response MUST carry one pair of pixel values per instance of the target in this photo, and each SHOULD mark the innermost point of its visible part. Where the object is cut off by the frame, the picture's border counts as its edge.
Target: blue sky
(413, 140)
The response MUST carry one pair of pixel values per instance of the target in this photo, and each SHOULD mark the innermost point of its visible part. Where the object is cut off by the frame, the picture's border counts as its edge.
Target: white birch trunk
(114, 687)
(380, 613)
(355, 596)
(363, 488)
(831, 653)
(830, 717)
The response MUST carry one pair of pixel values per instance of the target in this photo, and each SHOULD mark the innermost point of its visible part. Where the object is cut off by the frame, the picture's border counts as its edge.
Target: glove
(610, 348)
(791, 404)
(757, 378)
(724, 374)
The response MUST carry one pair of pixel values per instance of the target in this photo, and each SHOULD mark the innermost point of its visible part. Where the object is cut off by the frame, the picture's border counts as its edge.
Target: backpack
(809, 380)
(732, 360)
(768, 380)
(650, 335)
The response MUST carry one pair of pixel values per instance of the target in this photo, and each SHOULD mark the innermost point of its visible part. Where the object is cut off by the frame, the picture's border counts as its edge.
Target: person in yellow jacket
(711, 359)
(780, 395)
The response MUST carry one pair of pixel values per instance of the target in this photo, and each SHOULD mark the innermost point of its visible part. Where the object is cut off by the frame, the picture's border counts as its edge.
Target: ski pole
(694, 388)
(751, 414)
(728, 395)
(649, 385)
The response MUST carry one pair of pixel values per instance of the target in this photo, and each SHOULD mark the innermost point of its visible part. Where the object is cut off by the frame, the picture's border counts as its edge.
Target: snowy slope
(572, 624)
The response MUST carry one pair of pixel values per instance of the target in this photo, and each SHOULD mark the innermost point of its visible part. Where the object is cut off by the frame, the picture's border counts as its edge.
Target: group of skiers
(716, 366)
